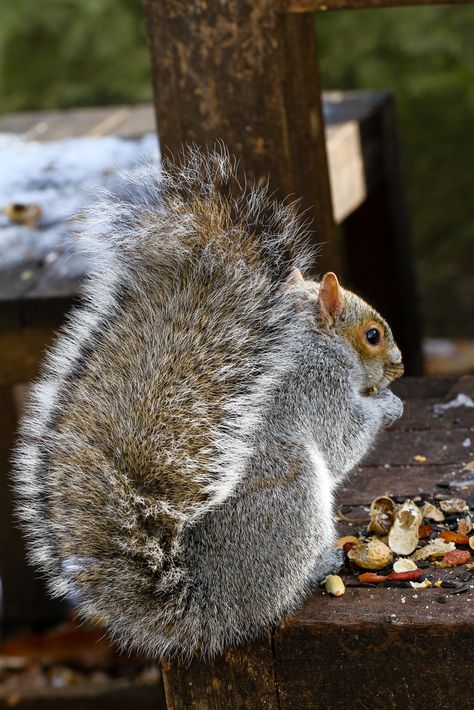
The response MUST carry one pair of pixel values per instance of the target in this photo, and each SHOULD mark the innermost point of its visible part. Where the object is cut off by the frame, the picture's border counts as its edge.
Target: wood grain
(235, 680)
(242, 72)
(301, 6)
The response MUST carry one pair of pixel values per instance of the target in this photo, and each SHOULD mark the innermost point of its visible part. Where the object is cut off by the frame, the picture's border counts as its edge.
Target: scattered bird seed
(461, 590)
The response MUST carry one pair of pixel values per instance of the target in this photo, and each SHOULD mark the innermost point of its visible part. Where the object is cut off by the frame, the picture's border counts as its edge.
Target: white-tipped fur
(182, 444)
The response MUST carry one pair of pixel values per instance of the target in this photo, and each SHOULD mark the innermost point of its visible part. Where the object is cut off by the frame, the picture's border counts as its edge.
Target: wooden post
(241, 678)
(244, 73)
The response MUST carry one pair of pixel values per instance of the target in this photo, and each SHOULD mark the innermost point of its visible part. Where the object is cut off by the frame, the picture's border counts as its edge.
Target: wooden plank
(235, 680)
(243, 73)
(370, 649)
(368, 482)
(301, 6)
(400, 447)
(421, 415)
(439, 388)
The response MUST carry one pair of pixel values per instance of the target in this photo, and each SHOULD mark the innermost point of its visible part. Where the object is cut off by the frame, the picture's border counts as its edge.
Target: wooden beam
(301, 6)
(246, 74)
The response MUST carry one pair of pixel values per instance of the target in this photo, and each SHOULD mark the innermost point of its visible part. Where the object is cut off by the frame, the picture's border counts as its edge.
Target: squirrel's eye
(373, 336)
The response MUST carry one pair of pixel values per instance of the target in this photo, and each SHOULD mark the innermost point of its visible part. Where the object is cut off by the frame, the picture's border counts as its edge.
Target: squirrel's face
(341, 313)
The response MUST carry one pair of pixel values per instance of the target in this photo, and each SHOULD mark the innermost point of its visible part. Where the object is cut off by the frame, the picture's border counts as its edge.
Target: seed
(335, 585)
(461, 590)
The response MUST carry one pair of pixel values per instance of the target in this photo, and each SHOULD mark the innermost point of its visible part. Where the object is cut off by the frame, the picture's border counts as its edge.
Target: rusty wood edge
(299, 6)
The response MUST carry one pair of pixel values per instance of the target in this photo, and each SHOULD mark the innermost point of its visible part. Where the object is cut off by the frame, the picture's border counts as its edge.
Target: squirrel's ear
(330, 298)
(294, 279)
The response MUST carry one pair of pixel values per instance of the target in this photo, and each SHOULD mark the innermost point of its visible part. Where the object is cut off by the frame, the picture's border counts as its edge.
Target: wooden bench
(375, 648)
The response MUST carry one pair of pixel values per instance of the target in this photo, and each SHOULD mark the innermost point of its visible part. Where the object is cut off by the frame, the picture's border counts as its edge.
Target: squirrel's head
(340, 312)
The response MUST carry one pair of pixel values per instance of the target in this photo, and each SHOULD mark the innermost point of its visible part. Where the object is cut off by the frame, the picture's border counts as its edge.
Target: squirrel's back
(144, 416)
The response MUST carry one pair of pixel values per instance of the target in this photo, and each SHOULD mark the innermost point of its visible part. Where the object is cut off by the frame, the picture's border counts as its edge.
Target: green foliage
(62, 53)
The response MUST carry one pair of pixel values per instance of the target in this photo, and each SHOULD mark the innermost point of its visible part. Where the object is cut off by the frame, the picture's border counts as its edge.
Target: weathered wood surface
(375, 648)
(242, 72)
(243, 678)
(299, 6)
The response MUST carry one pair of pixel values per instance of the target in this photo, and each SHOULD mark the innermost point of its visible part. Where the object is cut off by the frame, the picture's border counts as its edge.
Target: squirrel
(178, 457)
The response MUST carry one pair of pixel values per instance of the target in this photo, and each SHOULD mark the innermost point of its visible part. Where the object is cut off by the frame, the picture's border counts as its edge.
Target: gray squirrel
(178, 457)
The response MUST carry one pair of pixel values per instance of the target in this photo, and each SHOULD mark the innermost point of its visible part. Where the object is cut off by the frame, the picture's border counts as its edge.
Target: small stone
(441, 599)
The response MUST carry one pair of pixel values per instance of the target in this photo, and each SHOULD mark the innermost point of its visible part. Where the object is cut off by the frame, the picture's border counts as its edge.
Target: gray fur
(178, 458)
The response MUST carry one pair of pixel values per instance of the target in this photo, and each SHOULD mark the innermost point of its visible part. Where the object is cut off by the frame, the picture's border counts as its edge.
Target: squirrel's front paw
(392, 406)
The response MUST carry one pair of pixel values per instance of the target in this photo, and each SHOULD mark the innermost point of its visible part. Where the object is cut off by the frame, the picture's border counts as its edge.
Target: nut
(403, 535)
(341, 541)
(29, 215)
(465, 525)
(334, 585)
(435, 548)
(404, 565)
(373, 554)
(382, 514)
(431, 512)
(454, 505)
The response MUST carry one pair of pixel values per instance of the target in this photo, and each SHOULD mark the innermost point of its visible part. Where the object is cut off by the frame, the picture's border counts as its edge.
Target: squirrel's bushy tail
(146, 413)
(161, 218)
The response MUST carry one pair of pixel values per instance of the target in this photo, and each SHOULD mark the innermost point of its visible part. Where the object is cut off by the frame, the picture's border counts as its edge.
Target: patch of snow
(62, 178)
